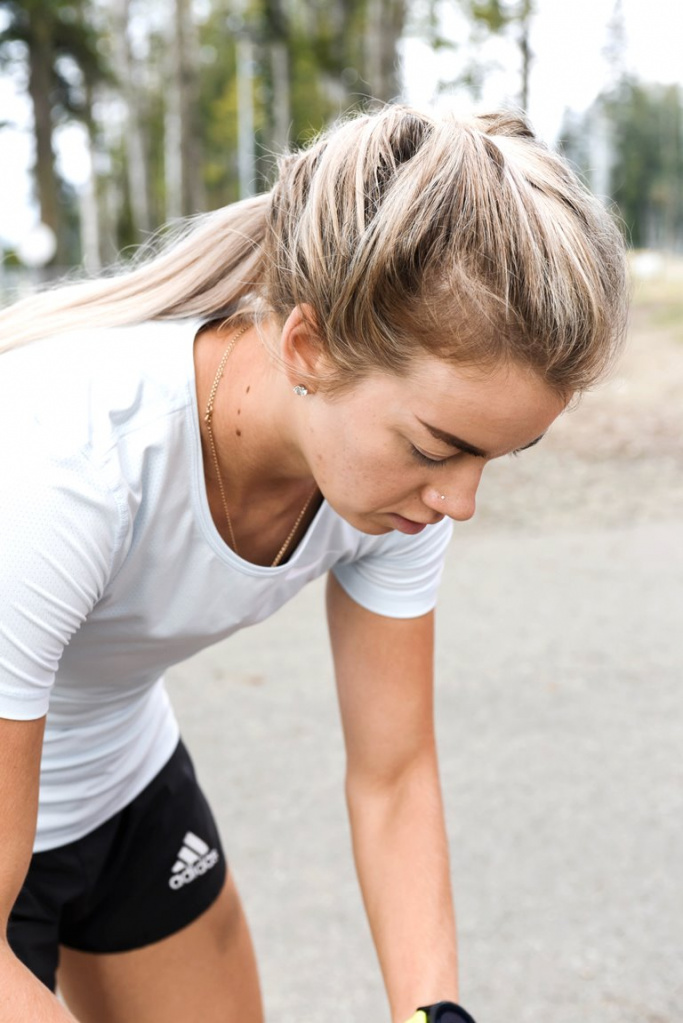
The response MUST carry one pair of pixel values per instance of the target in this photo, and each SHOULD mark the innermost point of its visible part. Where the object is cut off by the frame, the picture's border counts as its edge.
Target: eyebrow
(463, 445)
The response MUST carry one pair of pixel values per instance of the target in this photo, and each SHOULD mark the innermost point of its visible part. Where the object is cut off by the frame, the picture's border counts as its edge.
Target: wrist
(441, 1012)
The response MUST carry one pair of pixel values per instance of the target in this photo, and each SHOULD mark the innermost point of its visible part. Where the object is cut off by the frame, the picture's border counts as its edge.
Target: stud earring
(442, 496)
(301, 390)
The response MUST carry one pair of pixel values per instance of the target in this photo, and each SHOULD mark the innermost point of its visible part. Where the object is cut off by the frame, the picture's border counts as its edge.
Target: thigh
(206, 971)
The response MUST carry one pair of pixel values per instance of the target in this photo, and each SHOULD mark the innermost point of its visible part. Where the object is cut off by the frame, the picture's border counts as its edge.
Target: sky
(569, 68)
(568, 71)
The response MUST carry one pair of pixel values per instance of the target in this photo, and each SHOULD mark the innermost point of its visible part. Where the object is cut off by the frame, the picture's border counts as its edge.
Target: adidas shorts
(141, 876)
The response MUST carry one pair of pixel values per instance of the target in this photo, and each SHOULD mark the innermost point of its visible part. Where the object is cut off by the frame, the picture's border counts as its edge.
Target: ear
(301, 350)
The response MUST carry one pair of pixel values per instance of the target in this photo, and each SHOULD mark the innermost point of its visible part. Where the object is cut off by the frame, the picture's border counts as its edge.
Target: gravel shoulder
(616, 459)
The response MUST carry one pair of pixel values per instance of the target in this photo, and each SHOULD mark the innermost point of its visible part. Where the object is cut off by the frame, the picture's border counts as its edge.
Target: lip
(404, 525)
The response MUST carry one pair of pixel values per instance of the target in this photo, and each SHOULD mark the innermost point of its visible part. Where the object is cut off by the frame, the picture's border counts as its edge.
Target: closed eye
(423, 459)
(526, 447)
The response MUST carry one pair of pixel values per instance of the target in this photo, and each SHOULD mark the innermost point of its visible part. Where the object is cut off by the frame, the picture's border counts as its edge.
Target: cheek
(355, 458)
(336, 443)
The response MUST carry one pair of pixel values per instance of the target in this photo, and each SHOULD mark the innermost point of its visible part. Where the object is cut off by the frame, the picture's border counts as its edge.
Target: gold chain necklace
(208, 416)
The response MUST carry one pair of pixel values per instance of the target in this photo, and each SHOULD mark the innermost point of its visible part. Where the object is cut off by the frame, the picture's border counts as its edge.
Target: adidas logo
(194, 859)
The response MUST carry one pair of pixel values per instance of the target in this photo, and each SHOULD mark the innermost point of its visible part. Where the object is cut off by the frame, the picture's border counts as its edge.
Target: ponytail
(210, 263)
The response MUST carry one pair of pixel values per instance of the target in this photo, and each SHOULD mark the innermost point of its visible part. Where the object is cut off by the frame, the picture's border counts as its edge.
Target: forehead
(496, 408)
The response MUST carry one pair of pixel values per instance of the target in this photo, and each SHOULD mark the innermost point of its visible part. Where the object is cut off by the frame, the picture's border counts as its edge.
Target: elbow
(399, 780)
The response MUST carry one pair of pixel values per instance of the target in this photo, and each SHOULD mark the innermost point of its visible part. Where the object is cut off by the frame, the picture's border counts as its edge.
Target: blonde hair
(403, 232)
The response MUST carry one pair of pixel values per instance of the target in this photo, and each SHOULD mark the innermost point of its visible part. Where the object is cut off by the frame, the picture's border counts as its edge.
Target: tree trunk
(91, 245)
(525, 50)
(173, 150)
(41, 59)
(384, 28)
(282, 115)
(187, 72)
(277, 41)
(245, 115)
(345, 53)
(138, 185)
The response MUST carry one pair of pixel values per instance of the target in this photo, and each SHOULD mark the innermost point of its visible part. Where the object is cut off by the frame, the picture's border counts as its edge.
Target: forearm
(23, 999)
(401, 856)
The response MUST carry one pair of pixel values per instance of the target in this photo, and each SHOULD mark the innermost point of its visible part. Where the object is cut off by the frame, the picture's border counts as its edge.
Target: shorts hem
(200, 907)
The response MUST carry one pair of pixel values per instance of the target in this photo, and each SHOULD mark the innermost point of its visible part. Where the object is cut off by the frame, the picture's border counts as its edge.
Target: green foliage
(73, 41)
(323, 43)
(640, 127)
(482, 21)
(218, 108)
(492, 13)
(647, 174)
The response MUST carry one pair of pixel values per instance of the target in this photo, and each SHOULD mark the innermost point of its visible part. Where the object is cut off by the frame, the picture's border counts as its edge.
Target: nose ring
(442, 497)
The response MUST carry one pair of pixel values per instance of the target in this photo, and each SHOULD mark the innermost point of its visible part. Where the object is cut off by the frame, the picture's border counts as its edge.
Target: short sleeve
(60, 529)
(400, 576)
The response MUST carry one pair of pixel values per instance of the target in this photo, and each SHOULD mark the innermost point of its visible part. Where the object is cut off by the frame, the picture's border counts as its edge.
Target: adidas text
(194, 859)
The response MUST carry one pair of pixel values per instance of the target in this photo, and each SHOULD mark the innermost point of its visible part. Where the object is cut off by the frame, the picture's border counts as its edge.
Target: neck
(267, 486)
(252, 423)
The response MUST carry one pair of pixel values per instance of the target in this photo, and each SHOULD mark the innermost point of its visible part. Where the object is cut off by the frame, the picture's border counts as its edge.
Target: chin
(375, 530)
(365, 524)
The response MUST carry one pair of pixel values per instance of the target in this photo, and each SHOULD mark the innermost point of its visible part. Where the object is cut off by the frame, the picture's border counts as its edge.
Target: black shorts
(141, 876)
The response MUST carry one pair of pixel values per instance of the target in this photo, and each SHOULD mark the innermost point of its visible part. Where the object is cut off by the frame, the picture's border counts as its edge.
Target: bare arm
(23, 998)
(384, 678)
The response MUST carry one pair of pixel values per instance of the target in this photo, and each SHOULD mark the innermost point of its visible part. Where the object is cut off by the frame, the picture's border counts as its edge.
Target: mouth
(404, 525)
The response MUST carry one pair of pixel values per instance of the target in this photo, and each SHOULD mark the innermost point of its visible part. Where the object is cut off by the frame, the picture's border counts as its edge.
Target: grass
(658, 294)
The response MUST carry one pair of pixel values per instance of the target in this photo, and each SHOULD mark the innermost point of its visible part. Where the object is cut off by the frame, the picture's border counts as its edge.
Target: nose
(459, 491)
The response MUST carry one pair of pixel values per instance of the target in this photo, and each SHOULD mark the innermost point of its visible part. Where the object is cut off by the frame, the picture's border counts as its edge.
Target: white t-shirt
(112, 568)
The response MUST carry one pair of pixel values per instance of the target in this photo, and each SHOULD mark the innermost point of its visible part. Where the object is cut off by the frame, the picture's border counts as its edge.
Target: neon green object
(419, 1017)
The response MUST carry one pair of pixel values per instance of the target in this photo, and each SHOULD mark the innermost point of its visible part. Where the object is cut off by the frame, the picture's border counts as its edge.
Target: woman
(309, 381)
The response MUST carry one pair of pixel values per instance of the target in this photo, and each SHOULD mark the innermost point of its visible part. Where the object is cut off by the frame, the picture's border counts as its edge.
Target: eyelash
(432, 463)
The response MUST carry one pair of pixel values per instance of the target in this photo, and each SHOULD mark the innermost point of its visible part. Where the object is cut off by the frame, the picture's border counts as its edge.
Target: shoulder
(88, 385)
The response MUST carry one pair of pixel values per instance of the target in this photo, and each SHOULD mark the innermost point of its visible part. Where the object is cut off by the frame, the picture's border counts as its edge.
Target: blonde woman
(308, 382)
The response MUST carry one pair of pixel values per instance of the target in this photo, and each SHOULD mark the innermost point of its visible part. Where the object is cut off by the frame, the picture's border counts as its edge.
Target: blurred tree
(385, 22)
(308, 61)
(335, 33)
(640, 126)
(218, 105)
(155, 137)
(59, 46)
(508, 17)
(277, 34)
(485, 20)
(184, 155)
(647, 167)
(616, 45)
(131, 90)
(165, 126)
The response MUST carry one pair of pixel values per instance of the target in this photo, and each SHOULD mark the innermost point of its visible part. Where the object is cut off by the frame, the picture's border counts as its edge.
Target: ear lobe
(301, 348)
